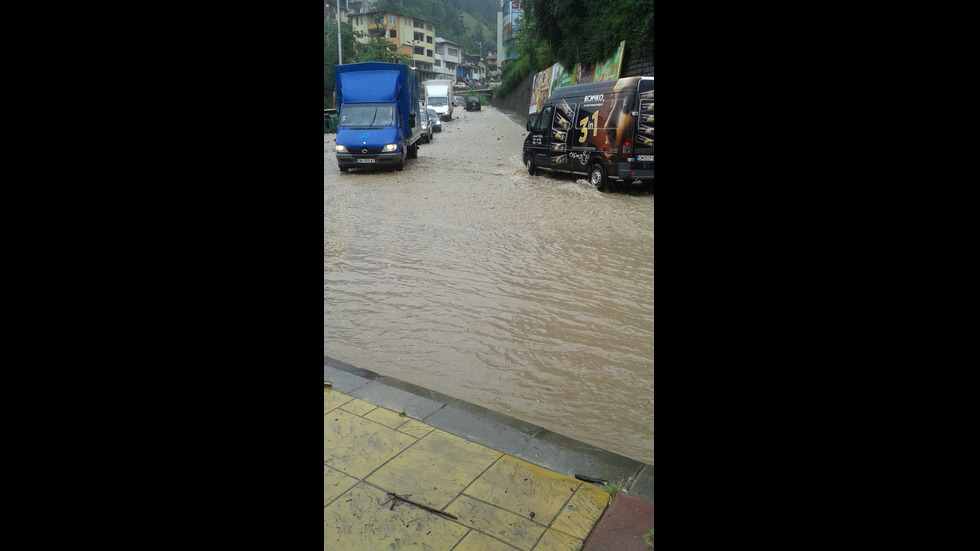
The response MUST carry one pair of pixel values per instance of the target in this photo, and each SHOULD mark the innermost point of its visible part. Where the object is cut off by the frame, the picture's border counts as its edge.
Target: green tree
(378, 48)
(573, 31)
(330, 54)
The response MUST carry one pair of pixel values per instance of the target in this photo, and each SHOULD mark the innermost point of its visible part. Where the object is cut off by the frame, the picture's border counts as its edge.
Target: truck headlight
(340, 149)
(390, 147)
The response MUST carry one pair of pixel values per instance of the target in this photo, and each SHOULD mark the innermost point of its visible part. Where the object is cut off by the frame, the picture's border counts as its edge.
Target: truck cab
(378, 121)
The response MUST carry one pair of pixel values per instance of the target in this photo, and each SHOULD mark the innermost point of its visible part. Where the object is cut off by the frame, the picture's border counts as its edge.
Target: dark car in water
(434, 121)
(473, 103)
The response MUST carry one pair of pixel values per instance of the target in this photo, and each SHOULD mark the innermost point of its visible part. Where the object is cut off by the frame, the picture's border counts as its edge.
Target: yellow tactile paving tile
(375, 443)
(386, 417)
(415, 428)
(333, 399)
(368, 451)
(335, 483)
(360, 520)
(475, 541)
(358, 407)
(523, 488)
(436, 469)
(520, 532)
(582, 512)
(554, 540)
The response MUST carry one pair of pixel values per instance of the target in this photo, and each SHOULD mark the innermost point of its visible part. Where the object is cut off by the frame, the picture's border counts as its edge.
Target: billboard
(546, 81)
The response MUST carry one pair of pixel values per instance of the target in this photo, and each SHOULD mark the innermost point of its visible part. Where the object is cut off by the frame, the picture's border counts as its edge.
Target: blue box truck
(378, 123)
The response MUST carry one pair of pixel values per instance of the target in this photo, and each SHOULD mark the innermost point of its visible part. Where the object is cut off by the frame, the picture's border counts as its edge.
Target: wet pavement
(496, 482)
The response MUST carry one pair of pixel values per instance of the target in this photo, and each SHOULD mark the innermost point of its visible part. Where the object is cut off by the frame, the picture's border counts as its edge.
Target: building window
(453, 52)
(419, 50)
(428, 39)
(393, 33)
(438, 63)
(391, 20)
(428, 27)
(428, 53)
(419, 37)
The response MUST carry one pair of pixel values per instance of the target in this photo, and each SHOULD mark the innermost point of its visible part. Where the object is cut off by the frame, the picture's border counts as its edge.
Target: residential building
(413, 37)
(447, 59)
(330, 11)
(470, 69)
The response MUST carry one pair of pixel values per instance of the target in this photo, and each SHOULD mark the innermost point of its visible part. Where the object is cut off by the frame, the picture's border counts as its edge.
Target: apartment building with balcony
(448, 56)
(412, 36)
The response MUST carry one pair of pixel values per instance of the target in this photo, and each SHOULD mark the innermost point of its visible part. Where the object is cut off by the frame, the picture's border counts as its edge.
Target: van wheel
(597, 177)
(529, 163)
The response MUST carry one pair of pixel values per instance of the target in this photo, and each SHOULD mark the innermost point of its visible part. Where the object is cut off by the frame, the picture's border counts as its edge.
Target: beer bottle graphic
(562, 121)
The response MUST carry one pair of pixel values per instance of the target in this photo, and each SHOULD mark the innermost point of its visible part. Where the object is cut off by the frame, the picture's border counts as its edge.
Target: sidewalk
(509, 485)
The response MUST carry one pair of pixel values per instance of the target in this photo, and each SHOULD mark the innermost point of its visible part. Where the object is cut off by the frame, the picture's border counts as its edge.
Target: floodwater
(531, 296)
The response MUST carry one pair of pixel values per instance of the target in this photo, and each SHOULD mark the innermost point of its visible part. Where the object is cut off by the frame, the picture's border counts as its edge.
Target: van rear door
(643, 144)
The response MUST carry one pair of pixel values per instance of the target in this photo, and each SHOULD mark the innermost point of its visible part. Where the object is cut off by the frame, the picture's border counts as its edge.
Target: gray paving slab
(642, 484)
(483, 426)
(380, 392)
(569, 456)
(348, 368)
(342, 380)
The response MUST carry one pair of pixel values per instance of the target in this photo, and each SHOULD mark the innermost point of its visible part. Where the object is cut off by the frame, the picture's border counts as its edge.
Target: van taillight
(627, 148)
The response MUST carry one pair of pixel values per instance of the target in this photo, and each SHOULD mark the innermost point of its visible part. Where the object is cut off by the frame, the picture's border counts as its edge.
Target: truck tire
(344, 168)
(529, 163)
(597, 177)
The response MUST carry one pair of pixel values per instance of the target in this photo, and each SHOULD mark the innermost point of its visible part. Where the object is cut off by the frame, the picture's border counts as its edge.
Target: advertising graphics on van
(603, 130)
(559, 129)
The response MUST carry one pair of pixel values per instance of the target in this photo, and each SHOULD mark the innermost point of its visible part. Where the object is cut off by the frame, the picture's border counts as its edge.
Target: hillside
(464, 22)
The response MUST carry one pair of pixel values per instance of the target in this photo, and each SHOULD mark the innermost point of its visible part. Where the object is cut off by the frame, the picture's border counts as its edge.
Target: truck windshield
(437, 101)
(367, 114)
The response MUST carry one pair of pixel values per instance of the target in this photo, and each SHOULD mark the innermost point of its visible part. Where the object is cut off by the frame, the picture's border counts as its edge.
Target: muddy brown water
(531, 296)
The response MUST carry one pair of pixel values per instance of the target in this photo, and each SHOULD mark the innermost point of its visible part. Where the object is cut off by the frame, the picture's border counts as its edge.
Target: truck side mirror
(528, 126)
(411, 119)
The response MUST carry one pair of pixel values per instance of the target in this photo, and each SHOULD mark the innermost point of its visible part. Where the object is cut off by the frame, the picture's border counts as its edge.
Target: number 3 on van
(586, 125)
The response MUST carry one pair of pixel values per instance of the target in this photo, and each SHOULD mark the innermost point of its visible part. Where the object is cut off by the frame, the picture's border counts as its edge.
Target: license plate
(363, 160)
(644, 157)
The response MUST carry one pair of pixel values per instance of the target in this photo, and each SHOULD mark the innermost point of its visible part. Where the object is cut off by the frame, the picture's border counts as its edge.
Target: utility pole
(340, 55)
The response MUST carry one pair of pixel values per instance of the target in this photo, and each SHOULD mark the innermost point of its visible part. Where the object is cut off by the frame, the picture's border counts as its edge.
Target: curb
(500, 432)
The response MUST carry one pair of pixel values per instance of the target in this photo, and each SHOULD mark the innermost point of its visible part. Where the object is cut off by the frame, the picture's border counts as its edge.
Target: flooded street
(531, 296)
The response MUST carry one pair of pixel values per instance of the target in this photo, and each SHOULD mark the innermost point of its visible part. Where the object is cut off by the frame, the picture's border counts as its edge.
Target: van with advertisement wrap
(603, 130)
